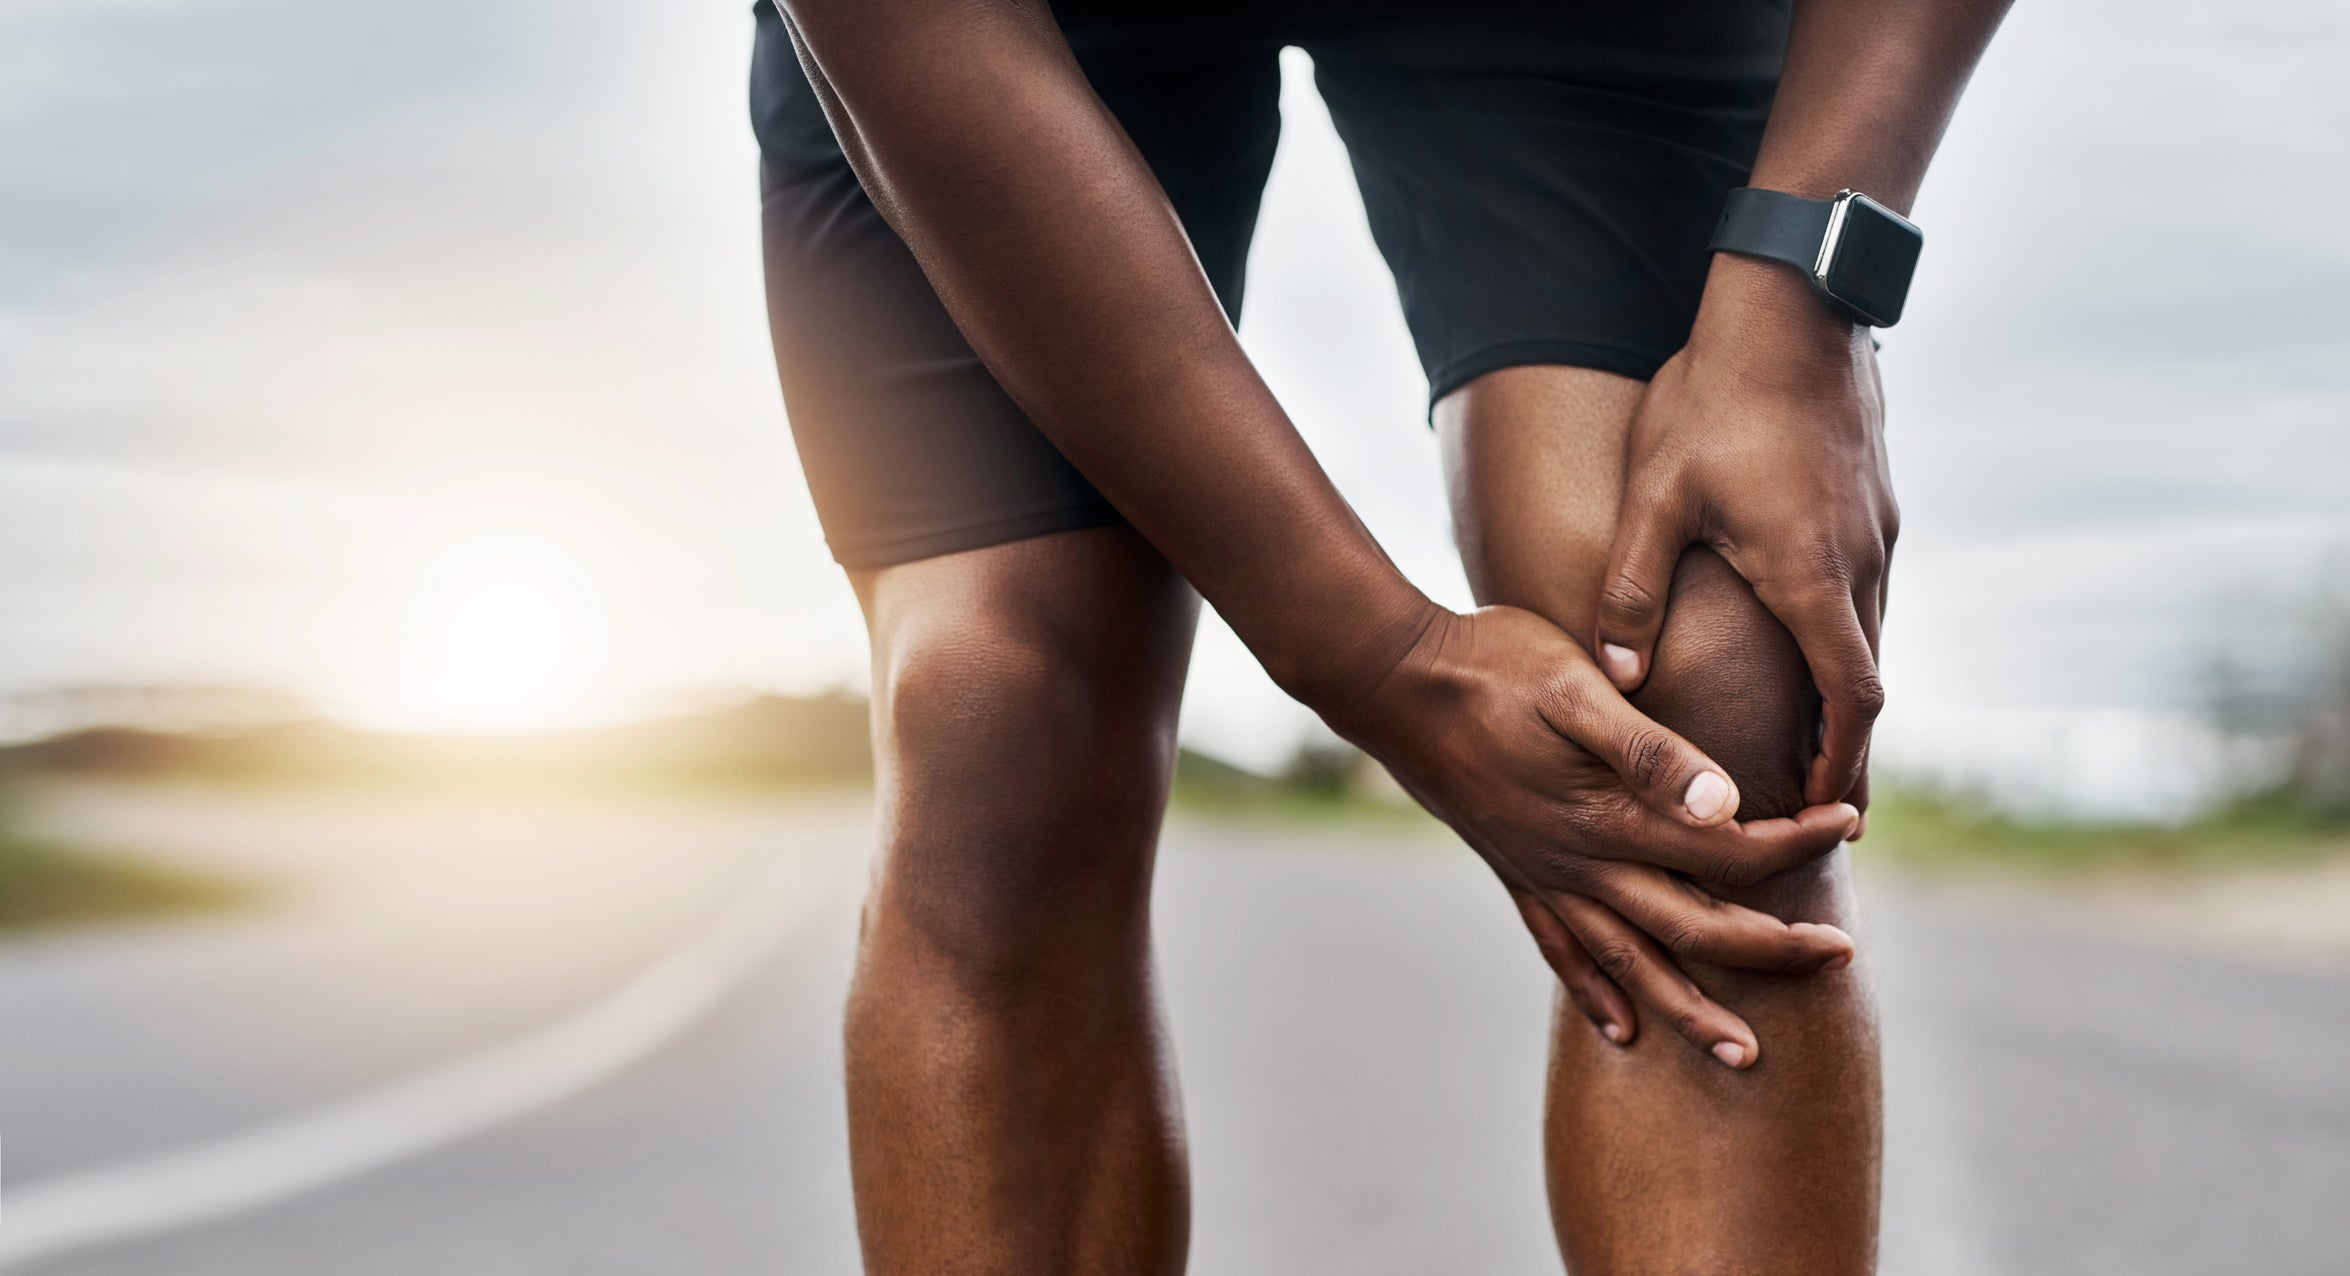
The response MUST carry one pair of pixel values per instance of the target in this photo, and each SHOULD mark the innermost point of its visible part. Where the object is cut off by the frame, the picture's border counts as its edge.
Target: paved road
(1358, 1021)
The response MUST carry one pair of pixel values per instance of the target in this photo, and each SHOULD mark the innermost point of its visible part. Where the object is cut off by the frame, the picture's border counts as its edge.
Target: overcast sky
(296, 297)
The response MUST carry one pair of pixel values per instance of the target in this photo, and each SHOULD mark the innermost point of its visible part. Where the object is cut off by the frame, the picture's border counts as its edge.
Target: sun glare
(502, 631)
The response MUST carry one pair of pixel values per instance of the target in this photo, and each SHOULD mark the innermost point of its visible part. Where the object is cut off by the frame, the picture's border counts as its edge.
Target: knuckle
(1629, 600)
(1648, 757)
(1562, 701)
(1827, 559)
(1865, 693)
(1685, 935)
(1580, 825)
(1573, 870)
(1805, 600)
(1618, 959)
(1734, 868)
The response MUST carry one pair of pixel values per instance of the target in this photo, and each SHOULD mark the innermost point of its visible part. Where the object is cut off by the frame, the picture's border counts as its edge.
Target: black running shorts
(1541, 175)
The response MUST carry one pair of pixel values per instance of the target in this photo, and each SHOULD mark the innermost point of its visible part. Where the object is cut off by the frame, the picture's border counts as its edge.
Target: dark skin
(1657, 1160)
(1763, 438)
(1055, 251)
(1011, 1098)
(1010, 1105)
(1012, 1101)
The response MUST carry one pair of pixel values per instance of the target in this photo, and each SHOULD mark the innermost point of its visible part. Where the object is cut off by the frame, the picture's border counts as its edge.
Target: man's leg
(1012, 1103)
(1660, 1159)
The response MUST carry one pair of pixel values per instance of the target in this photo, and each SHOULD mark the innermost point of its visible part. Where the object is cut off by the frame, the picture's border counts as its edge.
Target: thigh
(910, 447)
(1533, 467)
(1543, 177)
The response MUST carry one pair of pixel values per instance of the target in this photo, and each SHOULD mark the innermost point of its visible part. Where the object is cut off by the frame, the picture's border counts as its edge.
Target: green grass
(1912, 827)
(1906, 825)
(1941, 830)
(43, 885)
(1207, 786)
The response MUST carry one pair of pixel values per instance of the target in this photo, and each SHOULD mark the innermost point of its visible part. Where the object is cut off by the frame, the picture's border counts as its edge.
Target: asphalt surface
(1359, 1025)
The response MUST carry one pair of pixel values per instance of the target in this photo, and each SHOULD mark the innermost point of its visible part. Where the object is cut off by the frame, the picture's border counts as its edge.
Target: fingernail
(1706, 795)
(1833, 934)
(1860, 829)
(1838, 962)
(1613, 1032)
(1730, 1052)
(1621, 665)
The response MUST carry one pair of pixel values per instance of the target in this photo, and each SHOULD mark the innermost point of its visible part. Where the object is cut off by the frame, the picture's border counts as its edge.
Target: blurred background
(432, 733)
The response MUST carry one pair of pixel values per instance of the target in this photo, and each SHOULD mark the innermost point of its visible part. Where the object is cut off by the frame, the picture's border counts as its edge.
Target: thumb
(1632, 594)
(1668, 774)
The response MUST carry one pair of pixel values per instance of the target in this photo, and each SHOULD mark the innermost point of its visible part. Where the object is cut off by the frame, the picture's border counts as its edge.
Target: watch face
(1871, 256)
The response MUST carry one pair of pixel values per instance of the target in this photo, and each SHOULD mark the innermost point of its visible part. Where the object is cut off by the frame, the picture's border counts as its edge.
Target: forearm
(1060, 259)
(1868, 89)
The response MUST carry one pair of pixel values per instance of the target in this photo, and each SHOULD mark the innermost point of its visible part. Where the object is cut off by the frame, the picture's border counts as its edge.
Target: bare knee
(1024, 760)
(1006, 726)
(1730, 678)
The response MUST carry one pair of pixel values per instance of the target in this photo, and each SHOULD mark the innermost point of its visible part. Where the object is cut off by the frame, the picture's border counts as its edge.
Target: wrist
(1766, 315)
(1342, 652)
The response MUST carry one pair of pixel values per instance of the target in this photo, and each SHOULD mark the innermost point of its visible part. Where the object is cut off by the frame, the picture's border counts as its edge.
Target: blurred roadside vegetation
(1326, 779)
(1923, 828)
(2278, 704)
(757, 745)
(44, 885)
(2296, 806)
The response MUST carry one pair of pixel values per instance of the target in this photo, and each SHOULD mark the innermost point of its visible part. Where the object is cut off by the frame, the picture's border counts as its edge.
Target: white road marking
(407, 1118)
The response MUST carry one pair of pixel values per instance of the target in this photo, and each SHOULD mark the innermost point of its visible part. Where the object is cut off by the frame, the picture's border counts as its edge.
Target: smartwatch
(1858, 253)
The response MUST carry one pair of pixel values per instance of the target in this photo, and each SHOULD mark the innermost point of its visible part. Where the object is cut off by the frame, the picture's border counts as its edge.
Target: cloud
(259, 258)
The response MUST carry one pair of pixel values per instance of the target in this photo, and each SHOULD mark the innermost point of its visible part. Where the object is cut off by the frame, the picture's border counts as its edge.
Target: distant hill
(765, 740)
(166, 707)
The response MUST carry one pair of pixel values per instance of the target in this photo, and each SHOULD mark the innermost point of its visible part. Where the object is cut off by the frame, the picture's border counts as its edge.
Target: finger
(1845, 670)
(1868, 607)
(1736, 854)
(1649, 539)
(1884, 596)
(1641, 969)
(1859, 797)
(1594, 994)
(1667, 772)
(1694, 926)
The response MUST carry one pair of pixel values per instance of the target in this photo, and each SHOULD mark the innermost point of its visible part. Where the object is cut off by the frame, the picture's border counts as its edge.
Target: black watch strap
(1858, 254)
(1773, 224)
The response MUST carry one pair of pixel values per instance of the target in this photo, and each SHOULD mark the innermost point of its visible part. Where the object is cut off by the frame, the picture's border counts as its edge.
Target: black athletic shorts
(1541, 175)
